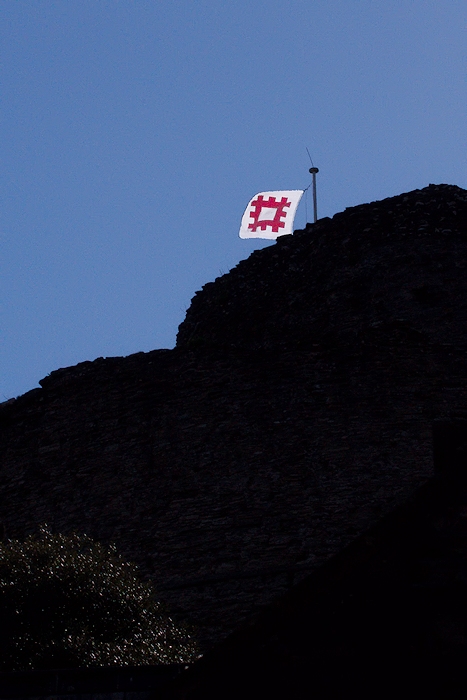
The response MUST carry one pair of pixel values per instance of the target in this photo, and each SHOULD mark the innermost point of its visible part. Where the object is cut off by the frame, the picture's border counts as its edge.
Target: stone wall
(294, 412)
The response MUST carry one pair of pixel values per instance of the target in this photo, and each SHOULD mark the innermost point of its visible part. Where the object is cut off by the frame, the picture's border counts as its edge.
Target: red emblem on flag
(272, 217)
(270, 214)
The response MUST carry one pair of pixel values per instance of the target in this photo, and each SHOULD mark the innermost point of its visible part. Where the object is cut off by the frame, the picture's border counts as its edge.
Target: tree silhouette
(68, 601)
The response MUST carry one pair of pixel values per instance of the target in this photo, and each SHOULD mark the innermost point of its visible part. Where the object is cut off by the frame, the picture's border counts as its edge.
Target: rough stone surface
(294, 412)
(390, 607)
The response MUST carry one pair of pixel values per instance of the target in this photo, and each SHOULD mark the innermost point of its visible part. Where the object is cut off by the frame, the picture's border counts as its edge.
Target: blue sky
(134, 133)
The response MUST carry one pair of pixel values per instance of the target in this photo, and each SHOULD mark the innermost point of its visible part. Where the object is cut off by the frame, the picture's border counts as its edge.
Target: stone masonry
(295, 410)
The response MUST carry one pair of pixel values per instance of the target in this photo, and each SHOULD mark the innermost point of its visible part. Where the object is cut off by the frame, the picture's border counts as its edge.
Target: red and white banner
(270, 214)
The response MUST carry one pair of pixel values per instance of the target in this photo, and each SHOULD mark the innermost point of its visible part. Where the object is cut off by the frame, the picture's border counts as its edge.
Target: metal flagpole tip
(313, 172)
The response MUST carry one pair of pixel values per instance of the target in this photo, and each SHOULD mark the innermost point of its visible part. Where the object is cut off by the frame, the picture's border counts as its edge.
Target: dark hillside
(295, 410)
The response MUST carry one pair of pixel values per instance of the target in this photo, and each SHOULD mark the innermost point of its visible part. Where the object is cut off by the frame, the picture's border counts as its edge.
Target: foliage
(67, 601)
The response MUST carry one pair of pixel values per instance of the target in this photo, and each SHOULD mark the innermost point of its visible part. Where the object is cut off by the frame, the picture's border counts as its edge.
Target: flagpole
(313, 172)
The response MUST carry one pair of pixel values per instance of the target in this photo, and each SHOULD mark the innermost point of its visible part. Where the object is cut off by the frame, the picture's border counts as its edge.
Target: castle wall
(290, 417)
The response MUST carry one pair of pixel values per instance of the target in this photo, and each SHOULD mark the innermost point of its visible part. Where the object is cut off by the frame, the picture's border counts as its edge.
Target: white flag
(270, 214)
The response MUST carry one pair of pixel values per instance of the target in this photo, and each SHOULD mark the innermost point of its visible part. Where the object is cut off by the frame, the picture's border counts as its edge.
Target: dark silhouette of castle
(295, 412)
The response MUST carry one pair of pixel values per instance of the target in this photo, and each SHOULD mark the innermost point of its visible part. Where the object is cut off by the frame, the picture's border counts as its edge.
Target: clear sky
(134, 133)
